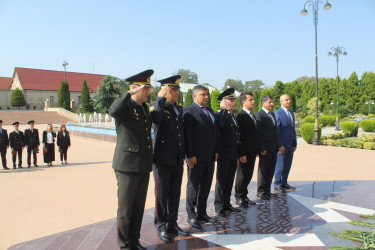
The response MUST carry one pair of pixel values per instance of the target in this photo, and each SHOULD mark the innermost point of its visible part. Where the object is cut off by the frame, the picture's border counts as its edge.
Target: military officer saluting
(169, 153)
(17, 143)
(4, 145)
(132, 160)
(228, 152)
(32, 143)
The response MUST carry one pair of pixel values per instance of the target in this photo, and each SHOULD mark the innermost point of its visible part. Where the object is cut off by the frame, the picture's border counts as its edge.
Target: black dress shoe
(29, 166)
(163, 235)
(280, 189)
(242, 203)
(178, 231)
(222, 213)
(194, 223)
(249, 202)
(232, 209)
(36, 165)
(20, 167)
(137, 246)
(6, 168)
(289, 187)
(272, 195)
(206, 219)
(263, 197)
(14, 167)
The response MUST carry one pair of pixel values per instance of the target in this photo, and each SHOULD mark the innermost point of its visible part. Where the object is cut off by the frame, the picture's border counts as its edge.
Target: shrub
(298, 132)
(307, 132)
(331, 120)
(367, 138)
(323, 120)
(358, 144)
(368, 125)
(309, 119)
(368, 145)
(371, 116)
(350, 127)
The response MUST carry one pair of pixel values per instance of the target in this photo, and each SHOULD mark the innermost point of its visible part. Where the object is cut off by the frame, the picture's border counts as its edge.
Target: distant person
(201, 153)
(17, 144)
(49, 144)
(4, 145)
(63, 141)
(267, 130)
(227, 152)
(287, 144)
(133, 158)
(32, 143)
(249, 149)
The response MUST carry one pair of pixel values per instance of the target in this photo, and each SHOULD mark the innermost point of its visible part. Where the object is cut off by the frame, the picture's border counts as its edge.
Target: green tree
(188, 98)
(188, 76)
(86, 99)
(312, 106)
(63, 96)
(353, 93)
(257, 104)
(180, 99)
(215, 104)
(110, 89)
(209, 99)
(17, 99)
(277, 91)
(236, 84)
(254, 85)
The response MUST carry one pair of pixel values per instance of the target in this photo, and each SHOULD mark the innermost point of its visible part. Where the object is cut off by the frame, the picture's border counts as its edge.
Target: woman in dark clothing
(49, 143)
(63, 141)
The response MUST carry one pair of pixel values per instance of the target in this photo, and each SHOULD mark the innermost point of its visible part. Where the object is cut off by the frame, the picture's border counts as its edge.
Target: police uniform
(132, 162)
(228, 156)
(168, 158)
(17, 143)
(4, 144)
(32, 142)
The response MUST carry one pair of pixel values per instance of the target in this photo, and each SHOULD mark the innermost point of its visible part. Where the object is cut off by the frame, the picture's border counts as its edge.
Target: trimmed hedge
(307, 132)
(350, 127)
(309, 119)
(368, 125)
(327, 120)
(367, 138)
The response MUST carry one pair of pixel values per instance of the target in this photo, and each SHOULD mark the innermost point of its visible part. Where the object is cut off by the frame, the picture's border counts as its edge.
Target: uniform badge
(151, 108)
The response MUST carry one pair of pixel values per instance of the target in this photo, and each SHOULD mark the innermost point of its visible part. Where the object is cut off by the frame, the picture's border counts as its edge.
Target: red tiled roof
(40, 79)
(5, 82)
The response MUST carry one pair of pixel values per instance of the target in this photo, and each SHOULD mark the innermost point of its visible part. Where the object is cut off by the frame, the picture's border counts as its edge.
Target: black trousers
(29, 150)
(14, 157)
(3, 153)
(167, 194)
(198, 188)
(244, 174)
(226, 170)
(266, 170)
(64, 154)
(132, 192)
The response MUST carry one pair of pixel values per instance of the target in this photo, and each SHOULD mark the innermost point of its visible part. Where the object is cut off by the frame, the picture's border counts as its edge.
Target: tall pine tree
(188, 98)
(85, 98)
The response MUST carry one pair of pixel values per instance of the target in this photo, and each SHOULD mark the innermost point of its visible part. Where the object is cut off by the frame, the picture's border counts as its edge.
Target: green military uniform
(132, 162)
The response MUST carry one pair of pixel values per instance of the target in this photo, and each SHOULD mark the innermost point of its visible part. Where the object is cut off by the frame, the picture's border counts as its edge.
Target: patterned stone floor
(297, 220)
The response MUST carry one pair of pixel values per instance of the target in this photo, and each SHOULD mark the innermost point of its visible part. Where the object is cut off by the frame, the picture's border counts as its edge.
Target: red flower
(14, 152)
(45, 150)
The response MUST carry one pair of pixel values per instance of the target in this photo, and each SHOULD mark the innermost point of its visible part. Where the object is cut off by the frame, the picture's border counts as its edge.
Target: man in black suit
(132, 160)
(200, 146)
(169, 154)
(228, 152)
(31, 143)
(249, 149)
(4, 145)
(268, 137)
(17, 144)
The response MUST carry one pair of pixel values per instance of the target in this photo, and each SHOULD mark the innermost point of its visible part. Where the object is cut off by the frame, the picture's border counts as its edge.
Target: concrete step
(40, 117)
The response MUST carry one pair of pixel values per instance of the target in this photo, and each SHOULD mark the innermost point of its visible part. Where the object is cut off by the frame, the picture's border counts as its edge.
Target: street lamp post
(369, 102)
(337, 51)
(65, 63)
(315, 7)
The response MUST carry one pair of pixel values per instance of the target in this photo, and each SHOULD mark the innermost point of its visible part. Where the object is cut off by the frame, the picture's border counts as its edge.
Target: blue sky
(247, 40)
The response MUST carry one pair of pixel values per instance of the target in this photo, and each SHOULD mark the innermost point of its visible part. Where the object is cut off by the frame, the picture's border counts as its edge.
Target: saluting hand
(163, 91)
(136, 89)
(216, 156)
(192, 161)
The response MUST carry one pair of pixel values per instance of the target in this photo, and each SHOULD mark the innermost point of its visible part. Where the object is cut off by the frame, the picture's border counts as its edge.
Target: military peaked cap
(226, 94)
(15, 123)
(142, 78)
(31, 122)
(173, 81)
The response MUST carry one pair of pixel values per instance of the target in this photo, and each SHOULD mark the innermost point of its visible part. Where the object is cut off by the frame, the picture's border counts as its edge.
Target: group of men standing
(17, 141)
(201, 137)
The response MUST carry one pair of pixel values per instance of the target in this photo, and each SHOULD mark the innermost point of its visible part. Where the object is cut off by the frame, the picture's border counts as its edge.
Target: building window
(51, 98)
(79, 99)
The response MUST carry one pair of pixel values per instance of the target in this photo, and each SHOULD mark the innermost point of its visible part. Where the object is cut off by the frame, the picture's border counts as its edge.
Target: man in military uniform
(228, 152)
(132, 160)
(32, 143)
(17, 144)
(4, 145)
(169, 153)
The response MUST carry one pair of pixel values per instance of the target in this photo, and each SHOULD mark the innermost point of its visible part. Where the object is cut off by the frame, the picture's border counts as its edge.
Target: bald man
(287, 144)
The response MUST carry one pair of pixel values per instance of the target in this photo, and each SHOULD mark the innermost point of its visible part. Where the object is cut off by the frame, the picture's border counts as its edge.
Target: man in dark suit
(132, 160)
(200, 146)
(287, 144)
(267, 130)
(4, 145)
(17, 144)
(169, 153)
(249, 149)
(227, 152)
(31, 143)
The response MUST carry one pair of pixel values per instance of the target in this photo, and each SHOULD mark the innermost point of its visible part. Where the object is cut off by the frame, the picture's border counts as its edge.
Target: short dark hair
(243, 97)
(265, 98)
(198, 88)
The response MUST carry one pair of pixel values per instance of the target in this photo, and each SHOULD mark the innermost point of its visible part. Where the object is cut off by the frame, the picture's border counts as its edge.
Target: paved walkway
(51, 204)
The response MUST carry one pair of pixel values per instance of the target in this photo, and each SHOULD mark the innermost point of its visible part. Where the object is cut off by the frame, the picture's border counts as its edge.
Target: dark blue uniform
(32, 142)
(17, 142)
(4, 144)
(168, 158)
(228, 150)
